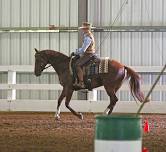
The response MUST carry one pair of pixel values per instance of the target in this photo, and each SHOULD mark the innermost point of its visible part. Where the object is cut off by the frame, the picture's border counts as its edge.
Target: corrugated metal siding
(36, 13)
(131, 48)
(17, 48)
(135, 12)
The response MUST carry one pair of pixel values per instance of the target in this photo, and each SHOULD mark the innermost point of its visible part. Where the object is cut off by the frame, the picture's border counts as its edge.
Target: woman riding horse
(112, 80)
(85, 53)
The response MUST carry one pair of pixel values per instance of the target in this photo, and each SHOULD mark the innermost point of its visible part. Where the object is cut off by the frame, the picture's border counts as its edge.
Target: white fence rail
(89, 105)
(30, 68)
(59, 87)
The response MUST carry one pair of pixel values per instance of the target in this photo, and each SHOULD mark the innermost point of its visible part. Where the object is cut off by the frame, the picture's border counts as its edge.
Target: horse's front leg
(68, 98)
(61, 97)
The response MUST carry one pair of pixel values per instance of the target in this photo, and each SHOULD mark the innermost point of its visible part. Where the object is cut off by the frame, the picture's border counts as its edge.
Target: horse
(111, 81)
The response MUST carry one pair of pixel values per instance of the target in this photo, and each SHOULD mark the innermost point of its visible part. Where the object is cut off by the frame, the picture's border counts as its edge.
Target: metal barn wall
(17, 48)
(131, 48)
(135, 12)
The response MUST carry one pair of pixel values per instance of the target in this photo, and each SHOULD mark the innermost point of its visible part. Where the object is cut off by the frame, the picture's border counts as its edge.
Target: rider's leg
(80, 73)
(79, 64)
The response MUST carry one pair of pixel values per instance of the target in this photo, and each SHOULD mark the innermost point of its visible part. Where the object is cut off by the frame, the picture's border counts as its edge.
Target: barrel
(118, 133)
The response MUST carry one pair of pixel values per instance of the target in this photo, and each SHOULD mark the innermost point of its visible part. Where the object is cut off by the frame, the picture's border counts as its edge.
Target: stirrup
(80, 85)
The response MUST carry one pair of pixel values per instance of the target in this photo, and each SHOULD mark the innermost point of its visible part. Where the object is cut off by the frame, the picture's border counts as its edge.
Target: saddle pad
(91, 69)
(103, 66)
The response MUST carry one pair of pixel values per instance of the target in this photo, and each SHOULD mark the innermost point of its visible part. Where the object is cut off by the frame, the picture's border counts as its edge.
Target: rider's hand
(72, 54)
(77, 56)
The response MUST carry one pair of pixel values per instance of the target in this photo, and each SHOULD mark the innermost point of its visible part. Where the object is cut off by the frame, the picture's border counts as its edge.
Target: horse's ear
(36, 50)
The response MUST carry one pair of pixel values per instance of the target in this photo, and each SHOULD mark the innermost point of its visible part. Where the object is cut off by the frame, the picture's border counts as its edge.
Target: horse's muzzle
(37, 74)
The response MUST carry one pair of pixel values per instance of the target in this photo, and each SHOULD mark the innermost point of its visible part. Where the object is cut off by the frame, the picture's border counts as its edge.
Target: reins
(70, 65)
(47, 66)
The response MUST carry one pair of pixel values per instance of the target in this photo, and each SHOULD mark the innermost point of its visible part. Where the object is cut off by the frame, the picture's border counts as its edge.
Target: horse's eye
(41, 64)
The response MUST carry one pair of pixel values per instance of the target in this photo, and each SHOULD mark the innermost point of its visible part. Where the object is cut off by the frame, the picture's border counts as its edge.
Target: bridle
(46, 67)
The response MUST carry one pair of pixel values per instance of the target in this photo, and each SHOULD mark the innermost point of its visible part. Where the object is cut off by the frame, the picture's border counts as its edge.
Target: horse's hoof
(57, 117)
(81, 116)
(147, 100)
(106, 111)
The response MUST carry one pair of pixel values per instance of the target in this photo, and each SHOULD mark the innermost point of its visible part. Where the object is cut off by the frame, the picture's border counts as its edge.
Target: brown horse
(111, 81)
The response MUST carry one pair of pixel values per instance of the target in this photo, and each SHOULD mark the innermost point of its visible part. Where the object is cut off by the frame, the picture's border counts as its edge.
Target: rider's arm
(86, 43)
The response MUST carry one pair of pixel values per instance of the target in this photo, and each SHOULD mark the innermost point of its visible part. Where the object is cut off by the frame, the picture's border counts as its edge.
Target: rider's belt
(90, 51)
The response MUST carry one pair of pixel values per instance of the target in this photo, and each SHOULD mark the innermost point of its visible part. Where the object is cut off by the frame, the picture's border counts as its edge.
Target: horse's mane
(55, 54)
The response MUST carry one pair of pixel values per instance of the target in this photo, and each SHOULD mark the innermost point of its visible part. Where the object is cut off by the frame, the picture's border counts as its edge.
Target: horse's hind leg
(113, 100)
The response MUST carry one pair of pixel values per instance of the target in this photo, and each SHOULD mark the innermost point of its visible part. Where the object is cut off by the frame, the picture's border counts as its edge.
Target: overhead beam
(82, 18)
(130, 29)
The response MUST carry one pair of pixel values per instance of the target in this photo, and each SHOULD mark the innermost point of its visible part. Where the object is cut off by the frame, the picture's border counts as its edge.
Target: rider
(86, 52)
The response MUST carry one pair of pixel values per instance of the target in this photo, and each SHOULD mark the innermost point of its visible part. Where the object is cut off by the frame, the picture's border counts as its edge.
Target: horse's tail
(135, 84)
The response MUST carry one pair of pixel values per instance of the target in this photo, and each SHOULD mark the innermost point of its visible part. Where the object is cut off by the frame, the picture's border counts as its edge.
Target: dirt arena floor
(39, 132)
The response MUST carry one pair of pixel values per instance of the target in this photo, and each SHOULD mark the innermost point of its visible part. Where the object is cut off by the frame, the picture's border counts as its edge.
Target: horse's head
(40, 62)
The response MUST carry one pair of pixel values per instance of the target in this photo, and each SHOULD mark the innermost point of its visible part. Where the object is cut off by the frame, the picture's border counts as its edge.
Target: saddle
(92, 67)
